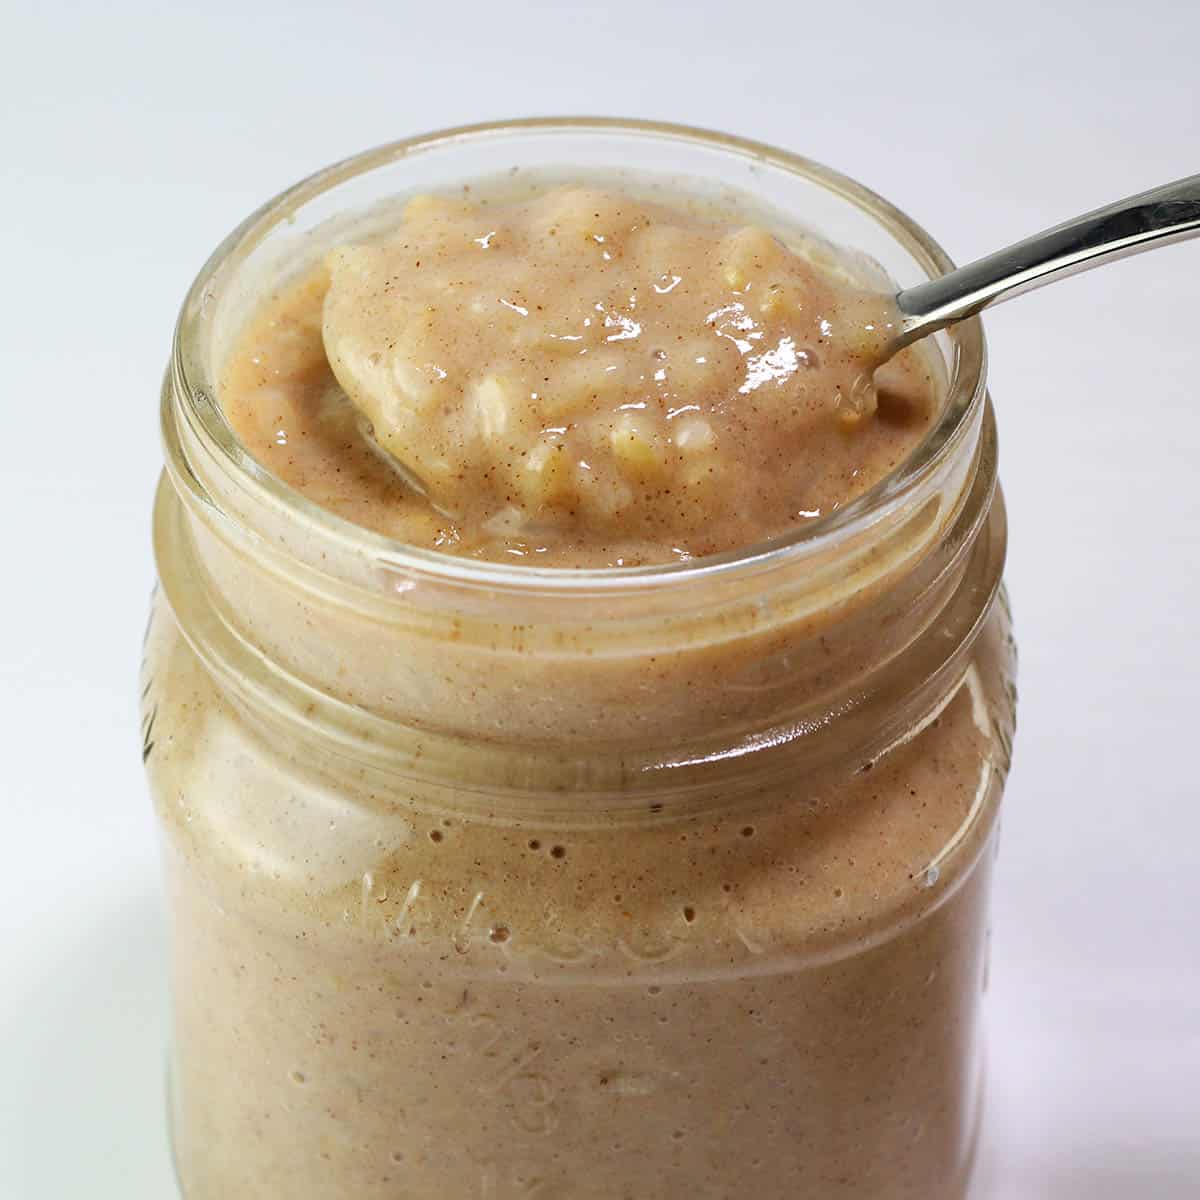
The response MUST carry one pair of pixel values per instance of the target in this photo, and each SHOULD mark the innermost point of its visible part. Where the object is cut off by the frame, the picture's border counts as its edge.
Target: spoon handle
(1155, 218)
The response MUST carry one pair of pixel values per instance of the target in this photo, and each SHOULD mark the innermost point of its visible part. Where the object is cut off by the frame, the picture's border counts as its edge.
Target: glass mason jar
(489, 881)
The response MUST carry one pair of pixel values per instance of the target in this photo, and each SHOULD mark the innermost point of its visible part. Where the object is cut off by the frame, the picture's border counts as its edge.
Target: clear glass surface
(498, 882)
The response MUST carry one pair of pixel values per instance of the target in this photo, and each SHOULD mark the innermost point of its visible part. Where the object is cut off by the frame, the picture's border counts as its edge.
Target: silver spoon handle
(1154, 218)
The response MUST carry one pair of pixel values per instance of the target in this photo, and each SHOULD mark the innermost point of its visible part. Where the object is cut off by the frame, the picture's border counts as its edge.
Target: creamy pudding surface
(579, 377)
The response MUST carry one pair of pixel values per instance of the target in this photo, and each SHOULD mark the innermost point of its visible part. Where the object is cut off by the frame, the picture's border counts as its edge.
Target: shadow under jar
(491, 882)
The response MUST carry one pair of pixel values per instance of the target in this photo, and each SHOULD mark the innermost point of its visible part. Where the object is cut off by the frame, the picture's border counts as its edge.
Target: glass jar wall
(494, 882)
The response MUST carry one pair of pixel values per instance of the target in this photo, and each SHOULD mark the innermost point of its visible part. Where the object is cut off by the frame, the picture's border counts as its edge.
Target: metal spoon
(1158, 217)
(1163, 215)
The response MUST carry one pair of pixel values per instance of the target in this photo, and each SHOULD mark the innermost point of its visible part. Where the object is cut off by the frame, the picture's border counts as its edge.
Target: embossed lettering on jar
(487, 882)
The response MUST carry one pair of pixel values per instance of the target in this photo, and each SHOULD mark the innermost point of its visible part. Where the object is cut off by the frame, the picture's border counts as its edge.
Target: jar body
(490, 883)
(376, 1000)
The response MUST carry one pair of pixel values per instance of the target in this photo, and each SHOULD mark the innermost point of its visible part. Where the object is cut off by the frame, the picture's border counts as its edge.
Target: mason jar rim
(201, 407)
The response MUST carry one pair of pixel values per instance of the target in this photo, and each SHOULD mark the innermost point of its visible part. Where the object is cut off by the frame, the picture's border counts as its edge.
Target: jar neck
(516, 689)
(601, 691)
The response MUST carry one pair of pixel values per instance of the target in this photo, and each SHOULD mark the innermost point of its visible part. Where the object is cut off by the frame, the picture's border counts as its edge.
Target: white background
(134, 136)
